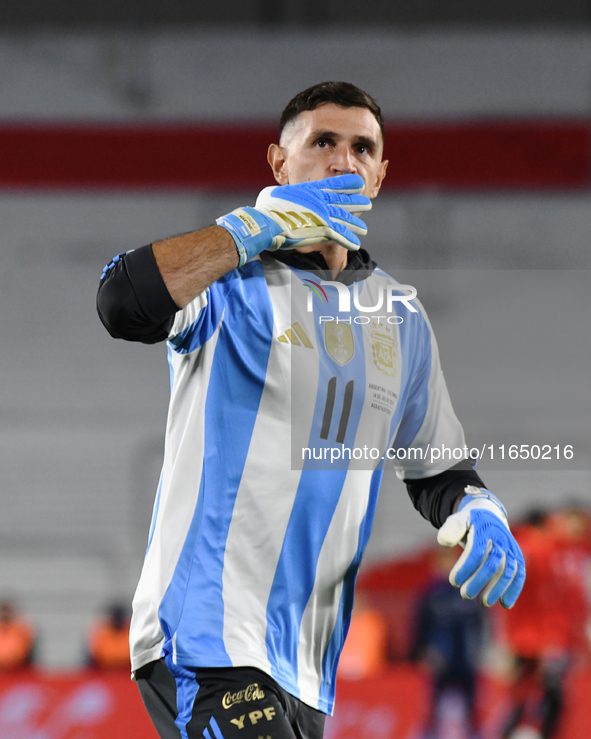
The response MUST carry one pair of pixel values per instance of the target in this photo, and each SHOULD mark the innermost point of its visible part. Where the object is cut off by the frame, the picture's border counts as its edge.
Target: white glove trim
(484, 503)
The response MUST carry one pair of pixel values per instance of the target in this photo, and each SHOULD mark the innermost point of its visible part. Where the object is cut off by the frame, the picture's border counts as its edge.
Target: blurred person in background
(570, 562)
(547, 631)
(448, 639)
(17, 638)
(108, 640)
(365, 653)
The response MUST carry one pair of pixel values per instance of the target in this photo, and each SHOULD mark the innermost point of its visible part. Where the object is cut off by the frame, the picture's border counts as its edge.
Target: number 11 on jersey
(331, 392)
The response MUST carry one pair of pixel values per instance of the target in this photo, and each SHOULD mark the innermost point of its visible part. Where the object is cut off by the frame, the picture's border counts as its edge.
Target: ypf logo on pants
(254, 717)
(253, 692)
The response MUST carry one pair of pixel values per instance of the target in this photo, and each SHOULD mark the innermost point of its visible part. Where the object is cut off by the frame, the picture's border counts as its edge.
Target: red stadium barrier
(89, 705)
(488, 155)
(393, 705)
(389, 706)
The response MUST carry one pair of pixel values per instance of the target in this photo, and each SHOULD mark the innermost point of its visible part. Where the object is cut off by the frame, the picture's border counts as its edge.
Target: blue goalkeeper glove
(290, 216)
(491, 558)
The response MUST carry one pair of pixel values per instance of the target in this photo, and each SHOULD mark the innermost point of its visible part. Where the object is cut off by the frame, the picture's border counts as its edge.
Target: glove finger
(339, 233)
(285, 243)
(344, 238)
(354, 224)
(346, 183)
(350, 203)
(475, 555)
(341, 214)
(511, 594)
(486, 564)
(486, 569)
(460, 565)
(499, 582)
(343, 235)
(454, 529)
(295, 237)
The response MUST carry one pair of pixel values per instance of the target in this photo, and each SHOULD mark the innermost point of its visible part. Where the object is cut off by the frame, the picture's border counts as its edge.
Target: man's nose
(343, 161)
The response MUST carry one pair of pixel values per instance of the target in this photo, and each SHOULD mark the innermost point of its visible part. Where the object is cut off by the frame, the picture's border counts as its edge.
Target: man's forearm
(190, 263)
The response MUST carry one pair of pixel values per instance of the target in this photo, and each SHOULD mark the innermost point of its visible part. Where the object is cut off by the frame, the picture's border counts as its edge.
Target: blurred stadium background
(125, 122)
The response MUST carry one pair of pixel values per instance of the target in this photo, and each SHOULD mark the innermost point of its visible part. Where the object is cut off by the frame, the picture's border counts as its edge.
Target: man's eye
(322, 143)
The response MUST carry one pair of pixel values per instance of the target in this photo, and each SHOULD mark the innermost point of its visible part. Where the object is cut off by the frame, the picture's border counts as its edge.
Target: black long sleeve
(132, 300)
(434, 497)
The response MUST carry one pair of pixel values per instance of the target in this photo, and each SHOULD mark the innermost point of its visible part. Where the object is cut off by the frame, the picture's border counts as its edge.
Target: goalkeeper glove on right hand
(290, 216)
(491, 556)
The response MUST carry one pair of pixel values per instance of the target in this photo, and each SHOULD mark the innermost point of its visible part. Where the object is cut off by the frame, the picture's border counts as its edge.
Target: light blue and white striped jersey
(258, 527)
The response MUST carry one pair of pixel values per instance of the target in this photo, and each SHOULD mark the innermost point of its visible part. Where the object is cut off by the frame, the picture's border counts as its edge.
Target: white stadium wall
(228, 75)
(502, 270)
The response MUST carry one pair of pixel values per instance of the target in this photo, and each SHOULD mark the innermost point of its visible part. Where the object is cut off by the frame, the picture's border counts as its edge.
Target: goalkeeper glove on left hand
(491, 558)
(290, 216)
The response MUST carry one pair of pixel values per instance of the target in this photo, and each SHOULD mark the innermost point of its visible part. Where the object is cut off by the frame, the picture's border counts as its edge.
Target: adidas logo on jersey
(297, 336)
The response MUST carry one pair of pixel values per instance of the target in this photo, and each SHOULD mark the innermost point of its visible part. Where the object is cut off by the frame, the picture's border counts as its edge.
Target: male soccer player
(246, 592)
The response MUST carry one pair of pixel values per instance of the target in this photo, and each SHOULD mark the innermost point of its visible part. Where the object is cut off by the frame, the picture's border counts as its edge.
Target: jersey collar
(359, 265)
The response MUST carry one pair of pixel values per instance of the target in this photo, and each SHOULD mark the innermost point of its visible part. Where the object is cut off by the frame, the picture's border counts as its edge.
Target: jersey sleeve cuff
(434, 497)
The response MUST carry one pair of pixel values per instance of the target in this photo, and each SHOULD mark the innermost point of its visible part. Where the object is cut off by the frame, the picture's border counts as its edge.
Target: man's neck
(335, 255)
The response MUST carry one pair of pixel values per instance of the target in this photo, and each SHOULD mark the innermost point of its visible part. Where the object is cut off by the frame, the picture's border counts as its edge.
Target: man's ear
(276, 156)
(380, 179)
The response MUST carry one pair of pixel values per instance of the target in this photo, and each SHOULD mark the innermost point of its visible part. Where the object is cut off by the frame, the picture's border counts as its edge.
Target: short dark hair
(340, 93)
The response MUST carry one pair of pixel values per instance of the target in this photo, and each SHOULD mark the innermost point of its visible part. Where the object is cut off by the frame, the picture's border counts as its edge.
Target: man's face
(330, 141)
